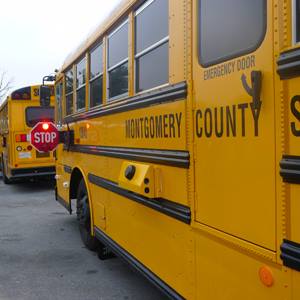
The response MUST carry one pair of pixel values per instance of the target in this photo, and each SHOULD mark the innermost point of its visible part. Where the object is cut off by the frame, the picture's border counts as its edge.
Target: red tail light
(21, 138)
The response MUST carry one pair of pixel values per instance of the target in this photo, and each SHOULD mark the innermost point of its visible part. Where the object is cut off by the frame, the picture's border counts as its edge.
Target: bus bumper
(33, 172)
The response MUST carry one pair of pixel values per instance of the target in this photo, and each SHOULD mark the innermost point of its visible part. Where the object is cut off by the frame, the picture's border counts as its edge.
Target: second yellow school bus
(182, 125)
(18, 115)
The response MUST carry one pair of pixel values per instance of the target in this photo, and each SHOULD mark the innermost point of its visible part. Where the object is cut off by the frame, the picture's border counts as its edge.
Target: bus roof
(20, 90)
(121, 8)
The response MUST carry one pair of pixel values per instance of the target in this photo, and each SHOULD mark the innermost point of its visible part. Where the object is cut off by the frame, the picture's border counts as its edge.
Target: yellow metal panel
(296, 285)
(145, 128)
(135, 228)
(292, 127)
(99, 212)
(226, 273)
(62, 183)
(235, 147)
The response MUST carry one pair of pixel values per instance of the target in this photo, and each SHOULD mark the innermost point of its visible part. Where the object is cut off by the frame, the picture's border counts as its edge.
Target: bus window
(35, 115)
(96, 76)
(80, 84)
(58, 99)
(152, 45)
(69, 92)
(239, 29)
(297, 21)
(118, 61)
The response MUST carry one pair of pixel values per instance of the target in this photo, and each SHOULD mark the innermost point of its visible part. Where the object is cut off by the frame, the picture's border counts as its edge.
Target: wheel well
(74, 183)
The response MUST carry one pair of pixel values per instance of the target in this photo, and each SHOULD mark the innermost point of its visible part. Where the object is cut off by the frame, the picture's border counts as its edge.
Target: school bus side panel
(162, 243)
(234, 137)
(288, 78)
(235, 164)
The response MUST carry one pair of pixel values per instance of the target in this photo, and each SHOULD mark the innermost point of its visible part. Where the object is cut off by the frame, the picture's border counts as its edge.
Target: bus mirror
(45, 93)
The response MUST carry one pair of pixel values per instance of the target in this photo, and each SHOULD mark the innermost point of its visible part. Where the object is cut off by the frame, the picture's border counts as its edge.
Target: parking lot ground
(42, 257)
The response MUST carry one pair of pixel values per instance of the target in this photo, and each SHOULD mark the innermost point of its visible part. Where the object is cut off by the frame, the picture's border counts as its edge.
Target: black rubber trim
(32, 172)
(180, 159)
(167, 207)
(290, 169)
(162, 95)
(61, 201)
(290, 254)
(138, 266)
(67, 169)
(289, 64)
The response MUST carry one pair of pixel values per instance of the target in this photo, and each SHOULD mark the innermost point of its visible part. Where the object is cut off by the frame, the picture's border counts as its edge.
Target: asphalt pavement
(42, 256)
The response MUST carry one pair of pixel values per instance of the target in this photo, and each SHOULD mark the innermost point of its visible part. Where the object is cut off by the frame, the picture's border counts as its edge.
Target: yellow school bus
(18, 115)
(182, 122)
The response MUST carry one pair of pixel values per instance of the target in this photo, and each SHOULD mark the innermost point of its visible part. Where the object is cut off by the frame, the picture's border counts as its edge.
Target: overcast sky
(36, 36)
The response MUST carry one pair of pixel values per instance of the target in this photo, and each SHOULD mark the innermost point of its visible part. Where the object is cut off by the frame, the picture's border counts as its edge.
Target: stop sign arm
(67, 138)
(44, 137)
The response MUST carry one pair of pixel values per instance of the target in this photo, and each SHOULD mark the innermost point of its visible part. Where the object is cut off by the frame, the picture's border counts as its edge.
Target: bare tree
(5, 85)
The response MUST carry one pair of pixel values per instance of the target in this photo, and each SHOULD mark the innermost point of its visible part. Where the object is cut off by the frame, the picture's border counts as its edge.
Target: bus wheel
(5, 178)
(84, 218)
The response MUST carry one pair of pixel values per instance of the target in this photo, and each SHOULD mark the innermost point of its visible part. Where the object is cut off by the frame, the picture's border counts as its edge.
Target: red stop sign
(44, 137)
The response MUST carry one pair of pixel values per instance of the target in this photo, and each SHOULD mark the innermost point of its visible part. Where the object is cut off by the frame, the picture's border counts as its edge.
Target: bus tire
(5, 178)
(84, 218)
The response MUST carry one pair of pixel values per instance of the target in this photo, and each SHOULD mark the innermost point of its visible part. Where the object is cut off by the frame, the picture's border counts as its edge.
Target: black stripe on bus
(166, 94)
(180, 159)
(290, 169)
(289, 64)
(169, 208)
(67, 169)
(290, 254)
(138, 266)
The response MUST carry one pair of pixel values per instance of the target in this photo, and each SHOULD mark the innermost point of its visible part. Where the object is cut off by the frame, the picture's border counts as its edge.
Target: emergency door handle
(255, 90)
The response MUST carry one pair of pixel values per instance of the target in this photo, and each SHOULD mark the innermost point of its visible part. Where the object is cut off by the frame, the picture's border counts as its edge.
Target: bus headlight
(19, 148)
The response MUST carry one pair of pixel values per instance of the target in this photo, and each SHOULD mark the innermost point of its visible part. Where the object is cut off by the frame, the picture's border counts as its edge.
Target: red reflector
(29, 148)
(21, 138)
(45, 126)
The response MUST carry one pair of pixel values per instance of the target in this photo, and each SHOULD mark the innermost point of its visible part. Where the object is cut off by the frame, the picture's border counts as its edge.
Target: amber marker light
(45, 126)
(266, 276)
(88, 126)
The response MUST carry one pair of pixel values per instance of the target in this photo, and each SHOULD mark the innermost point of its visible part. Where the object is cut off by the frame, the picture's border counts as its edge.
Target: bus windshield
(35, 115)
